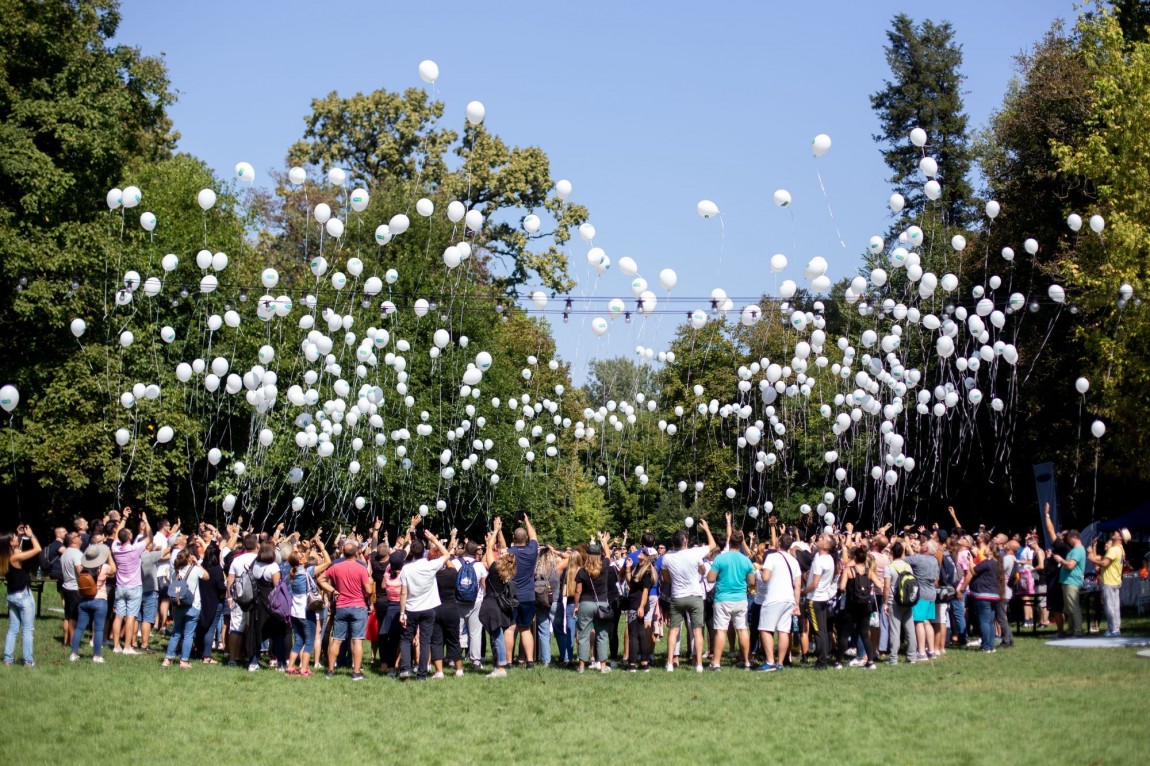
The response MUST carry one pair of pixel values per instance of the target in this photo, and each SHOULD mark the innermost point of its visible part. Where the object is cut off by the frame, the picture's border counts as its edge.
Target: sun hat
(96, 555)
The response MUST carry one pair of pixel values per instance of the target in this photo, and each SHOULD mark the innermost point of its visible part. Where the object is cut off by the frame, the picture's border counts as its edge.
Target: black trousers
(818, 613)
(852, 619)
(638, 640)
(445, 635)
(424, 623)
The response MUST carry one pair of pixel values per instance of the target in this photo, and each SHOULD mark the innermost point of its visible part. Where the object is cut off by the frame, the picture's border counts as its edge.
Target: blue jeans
(91, 611)
(565, 634)
(958, 620)
(986, 622)
(184, 623)
(544, 623)
(303, 634)
(21, 614)
(497, 647)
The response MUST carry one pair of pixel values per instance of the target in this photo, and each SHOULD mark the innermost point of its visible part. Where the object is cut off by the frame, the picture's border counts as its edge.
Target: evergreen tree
(925, 92)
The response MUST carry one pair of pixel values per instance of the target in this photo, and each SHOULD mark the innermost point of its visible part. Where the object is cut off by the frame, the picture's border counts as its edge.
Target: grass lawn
(965, 708)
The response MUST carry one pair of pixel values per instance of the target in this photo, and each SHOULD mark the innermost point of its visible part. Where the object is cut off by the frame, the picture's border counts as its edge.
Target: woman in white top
(186, 613)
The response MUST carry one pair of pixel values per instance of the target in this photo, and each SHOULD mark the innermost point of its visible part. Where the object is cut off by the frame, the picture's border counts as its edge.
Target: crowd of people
(421, 607)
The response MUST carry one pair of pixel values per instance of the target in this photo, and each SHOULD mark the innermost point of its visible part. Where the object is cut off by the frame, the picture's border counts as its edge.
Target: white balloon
(425, 207)
(1098, 428)
(1056, 293)
(918, 137)
(398, 224)
(1031, 246)
(321, 212)
(164, 435)
(928, 166)
(562, 188)
(1082, 385)
(896, 202)
(667, 278)
(126, 338)
(170, 262)
(147, 221)
(932, 189)
(820, 145)
(269, 278)
(123, 436)
(336, 176)
(428, 72)
(131, 196)
(1097, 224)
(473, 220)
(992, 209)
(297, 175)
(707, 209)
(206, 199)
(114, 198)
(778, 262)
(1074, 221)
(475, 112)
(531, 223)
(382, 234)
(782, 198)
(359, 200)
(245, 172)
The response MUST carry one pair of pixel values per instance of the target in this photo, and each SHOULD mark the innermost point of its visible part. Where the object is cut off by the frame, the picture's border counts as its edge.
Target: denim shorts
(128, 600)
(350, 622)
(148, 606)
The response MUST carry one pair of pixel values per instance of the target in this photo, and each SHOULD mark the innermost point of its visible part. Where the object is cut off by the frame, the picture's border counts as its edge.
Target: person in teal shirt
(1070, 577)
(731, 572)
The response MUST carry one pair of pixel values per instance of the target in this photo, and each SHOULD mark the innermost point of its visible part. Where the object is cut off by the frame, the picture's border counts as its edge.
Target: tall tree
(925, 91)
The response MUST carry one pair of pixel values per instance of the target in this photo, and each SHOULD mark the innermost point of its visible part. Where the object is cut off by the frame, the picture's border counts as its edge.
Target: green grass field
(965, 708)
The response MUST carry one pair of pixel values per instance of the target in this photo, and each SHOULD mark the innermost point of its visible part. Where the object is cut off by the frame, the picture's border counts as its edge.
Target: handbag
(602, 610)
(315, 599)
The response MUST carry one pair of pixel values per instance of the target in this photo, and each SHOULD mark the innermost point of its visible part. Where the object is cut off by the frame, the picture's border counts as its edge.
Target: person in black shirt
(640, 578)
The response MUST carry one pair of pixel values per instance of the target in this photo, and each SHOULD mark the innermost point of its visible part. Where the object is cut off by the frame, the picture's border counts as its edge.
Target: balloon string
(829, 210)
(15, 467)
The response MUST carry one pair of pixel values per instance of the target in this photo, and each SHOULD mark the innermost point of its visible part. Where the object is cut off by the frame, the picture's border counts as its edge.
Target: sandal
(209, 661)
(306, 673)
(292, 671)
(166, 663)
(185, 665)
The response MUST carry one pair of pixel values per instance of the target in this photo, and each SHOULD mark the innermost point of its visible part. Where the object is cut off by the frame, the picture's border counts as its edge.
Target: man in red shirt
(348, 580)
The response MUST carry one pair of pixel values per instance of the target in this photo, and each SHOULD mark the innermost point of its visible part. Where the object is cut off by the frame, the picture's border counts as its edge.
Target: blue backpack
(466, 583)
(179, 591)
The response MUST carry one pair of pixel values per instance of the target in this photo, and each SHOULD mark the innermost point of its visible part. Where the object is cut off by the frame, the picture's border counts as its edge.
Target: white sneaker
(856, 663)
(129, 650)
(73, 657)
(253, 668)
(670, 668)
(437, 675)
(117, 650)
(698, 668)
(606, 668)
(98, 660)
(497, 673)
(459, 673)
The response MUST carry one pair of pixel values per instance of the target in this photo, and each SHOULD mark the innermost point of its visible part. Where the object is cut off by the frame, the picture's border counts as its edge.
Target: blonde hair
(594, 565)
(574, 564)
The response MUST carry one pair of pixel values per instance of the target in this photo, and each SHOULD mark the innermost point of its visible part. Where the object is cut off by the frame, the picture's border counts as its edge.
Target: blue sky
(646, 112)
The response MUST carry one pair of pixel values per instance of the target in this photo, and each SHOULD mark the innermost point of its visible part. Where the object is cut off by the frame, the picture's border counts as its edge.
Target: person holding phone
(21, 604)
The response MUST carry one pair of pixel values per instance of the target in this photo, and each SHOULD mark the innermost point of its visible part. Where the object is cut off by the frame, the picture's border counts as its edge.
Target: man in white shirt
(684, 581)
(417, 603)
(779, 580)
(821, 588)
(470, 609)
(241, 562)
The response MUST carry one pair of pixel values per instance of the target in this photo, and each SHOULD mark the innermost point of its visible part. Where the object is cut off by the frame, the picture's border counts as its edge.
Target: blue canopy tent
(1137, 520)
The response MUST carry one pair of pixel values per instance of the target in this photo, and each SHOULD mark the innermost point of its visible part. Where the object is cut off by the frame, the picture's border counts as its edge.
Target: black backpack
(858, 589)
